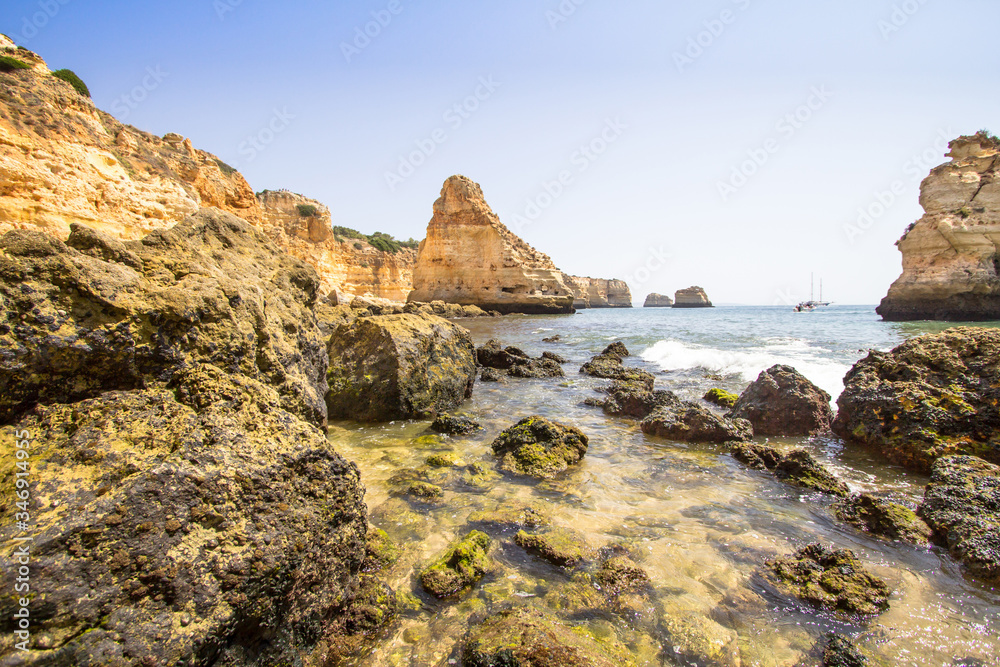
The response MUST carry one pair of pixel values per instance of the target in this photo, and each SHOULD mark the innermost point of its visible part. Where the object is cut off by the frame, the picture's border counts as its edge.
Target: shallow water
(702, 522)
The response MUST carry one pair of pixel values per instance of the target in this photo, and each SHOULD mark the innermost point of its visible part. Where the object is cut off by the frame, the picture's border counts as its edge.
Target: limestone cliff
(348, 266)
(600, 293)
(655, 300)
(692, 297)
(469, 257)
(951, 256)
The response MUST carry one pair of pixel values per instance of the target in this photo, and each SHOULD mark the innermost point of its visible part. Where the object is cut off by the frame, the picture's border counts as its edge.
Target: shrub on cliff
(72, 79)
(8, 64)
(307, 210)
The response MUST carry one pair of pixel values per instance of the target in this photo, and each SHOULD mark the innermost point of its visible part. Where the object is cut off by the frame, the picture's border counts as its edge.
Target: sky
(739, 145)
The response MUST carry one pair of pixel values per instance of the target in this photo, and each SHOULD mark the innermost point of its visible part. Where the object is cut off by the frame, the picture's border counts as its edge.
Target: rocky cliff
(658, 301)
(469, 257)
(692, 297)
(347, 265)
(64, 161)
(951, 256)
(600, 293)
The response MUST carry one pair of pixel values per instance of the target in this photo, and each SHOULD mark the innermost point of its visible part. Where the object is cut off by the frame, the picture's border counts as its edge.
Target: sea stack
(692, 297)
(658, 301)
(469, 257)
(600, 293)
(951, 256)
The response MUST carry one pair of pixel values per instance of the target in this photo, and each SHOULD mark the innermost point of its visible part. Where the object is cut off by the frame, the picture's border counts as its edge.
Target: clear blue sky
(667, 120)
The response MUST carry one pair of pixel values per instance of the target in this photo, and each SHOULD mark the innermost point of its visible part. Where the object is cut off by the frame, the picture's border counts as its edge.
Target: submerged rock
(721, 397)
(881, 517)
(608, 365)
(798, 467)
(839, 651)
(932, 396)
(381, 552)
(515, 362)
(509, 517)
(559, 546)
(962, 505)
(831, 579)
(399, 367)
(461, 566)
(450, 425)
(528, 637)
(540, 448)
(690, 422)
(784, 403)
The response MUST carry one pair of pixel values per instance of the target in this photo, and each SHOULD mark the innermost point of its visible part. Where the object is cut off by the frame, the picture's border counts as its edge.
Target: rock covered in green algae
(559, 546)
(721, 397)
(690, 422)
(169, 519)
(464, 564)
(840, 651)
(399, 367)
(96, 314)
(480, 476)
(443, 460)
(450, 425)
(884, 518)
(962, 505)
(618, 348)
(373, 607)
(540, 448)
(609, 366)
(782, 402)
(381, 552)
(510, 517)
(933, 396)
(619, 574)
(798, 467)
(529, 637)
(831, 579)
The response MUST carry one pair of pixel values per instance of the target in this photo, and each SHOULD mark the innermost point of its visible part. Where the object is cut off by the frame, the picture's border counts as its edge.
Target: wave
(824, 372)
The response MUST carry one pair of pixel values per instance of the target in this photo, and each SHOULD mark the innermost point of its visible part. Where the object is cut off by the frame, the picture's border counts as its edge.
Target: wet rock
(381, 552)
(444, 460)
(608, 365)
(552, 339)
(398, 367)
(559, 546)
(146, 489)
(536, 368)
(831, 579)
(695, 639)
(962, 505)
(461, 566)
(423, 491)
(450, 425)
(540, 448)
(509, 517)
(110, 315)
(881, 517)
(359, 626)
(781, 402)
(721, 397)
(528, 637)
(480, 476)
(493, 355)
(636, 399)
(932, 396)
(690, 422)
(559, 359)
(619, 574)
(840, 651)
(492, 375)
(617, 348)
(515, 362)
(798, 467)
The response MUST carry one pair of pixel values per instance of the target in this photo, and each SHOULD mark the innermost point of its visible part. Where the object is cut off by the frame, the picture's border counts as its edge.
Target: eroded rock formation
(951, 256)
(692, 297)
(600, 293)
(658, 301)
(469, 257)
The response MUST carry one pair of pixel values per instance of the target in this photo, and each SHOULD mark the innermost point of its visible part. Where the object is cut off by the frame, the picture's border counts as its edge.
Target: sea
(700, 523)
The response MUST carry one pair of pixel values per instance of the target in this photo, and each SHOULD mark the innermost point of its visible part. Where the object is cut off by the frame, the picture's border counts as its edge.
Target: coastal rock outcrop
(95, 314)
(797, 467)
(515, 362)
(689, 422)
(469, 257)
(962, 505)
(951, 256)
(658, 301)
(782, 402)
(540, 448)
(399, 367)
(599, 293)
(692, 297)
(884, 518)
(933, 396)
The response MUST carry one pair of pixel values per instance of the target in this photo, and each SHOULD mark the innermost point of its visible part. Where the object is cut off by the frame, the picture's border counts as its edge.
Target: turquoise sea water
(701, 522)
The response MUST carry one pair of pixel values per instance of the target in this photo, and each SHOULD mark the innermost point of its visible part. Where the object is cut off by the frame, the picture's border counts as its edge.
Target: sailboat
(812, 304)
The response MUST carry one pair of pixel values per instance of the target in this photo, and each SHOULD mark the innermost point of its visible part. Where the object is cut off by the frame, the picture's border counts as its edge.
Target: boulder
(781, 402)
(692, 297)
(450, 425)
(797, 467)
(932, 396)
(658, 301)
(608, 365)
(514, 362)
(690, 422)
(962, 505)
(459, 568)
(830, 579)
(634, 399)
(540, 448)
(399, 367)
(883, 518)
(96, 314)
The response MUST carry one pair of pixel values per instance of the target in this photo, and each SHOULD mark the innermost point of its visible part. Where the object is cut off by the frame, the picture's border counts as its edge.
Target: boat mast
(812, 286)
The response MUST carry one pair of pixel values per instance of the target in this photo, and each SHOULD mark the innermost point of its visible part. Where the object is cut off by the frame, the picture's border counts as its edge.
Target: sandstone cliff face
(62, 160)
(658, 301)
(469, 257)
(692, 297)
(349, 267)
(951, 256)
(600, 293)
